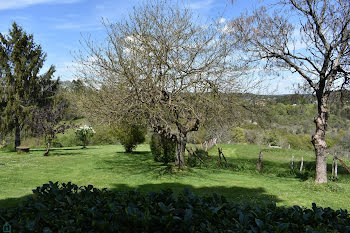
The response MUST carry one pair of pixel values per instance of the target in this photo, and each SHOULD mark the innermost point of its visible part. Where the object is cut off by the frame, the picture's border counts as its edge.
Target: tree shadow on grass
(63, 151)
(139, 162)
(135, 153)
(234, 193)
(55, 148)
(60, 153)
(280, 168)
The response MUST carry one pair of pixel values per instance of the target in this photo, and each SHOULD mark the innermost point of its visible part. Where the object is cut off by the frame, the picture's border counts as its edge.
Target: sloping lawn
(109, 167)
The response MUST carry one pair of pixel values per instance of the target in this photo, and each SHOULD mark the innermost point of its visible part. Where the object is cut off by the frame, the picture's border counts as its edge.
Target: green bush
(68, 208)
(272, 138)
(34, 142)
(198, 137)
(130, 136)
(163, 150)
(84, 134)
(105, 135)
(194, 160)
(299, 141)
(238, 135)
(68, 139)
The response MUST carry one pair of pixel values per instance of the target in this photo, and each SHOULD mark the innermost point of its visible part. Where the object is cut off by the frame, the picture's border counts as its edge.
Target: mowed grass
(109, 167)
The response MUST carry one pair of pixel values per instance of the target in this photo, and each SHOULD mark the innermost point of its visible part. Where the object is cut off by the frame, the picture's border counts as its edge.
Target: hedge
(64, 207)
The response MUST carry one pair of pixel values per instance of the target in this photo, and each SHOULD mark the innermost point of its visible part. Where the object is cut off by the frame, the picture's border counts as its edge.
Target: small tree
(23, 86)
(130, 136)
(46, 122)
(84, 134)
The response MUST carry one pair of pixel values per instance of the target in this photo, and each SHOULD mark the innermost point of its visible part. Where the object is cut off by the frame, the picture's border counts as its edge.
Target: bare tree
(162, 64)
(310, 38)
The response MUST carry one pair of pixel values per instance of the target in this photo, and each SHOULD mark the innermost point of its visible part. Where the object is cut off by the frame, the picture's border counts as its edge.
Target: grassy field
(110, 167)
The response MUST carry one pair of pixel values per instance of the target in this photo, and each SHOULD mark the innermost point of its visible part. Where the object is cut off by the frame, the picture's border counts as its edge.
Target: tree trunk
(48, 145)
(319, 140)
(335, 167)
(17, 135)
(259, 165)
(180, 150)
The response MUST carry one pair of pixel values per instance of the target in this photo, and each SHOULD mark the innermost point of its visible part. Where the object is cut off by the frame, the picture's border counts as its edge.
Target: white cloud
(13, 4)
(79, 26)
(67, 70)
(24, 18)
(222, 20)
(203, 4)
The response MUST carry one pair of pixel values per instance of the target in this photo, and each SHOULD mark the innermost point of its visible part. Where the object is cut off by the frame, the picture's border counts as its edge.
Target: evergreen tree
(23, 86)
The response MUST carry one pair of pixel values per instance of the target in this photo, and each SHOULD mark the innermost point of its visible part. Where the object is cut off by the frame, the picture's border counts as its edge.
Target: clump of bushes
(105, 135)
(299, 141)
(64, 207)
(163, 149)
(130, 136)
(67, 139)
(200, 154)
(238, 135)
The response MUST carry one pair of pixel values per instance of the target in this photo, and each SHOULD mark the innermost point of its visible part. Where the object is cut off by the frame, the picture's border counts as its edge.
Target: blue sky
(58, 25)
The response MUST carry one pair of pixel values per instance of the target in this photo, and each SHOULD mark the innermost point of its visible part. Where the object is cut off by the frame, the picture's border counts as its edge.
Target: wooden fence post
(335, 167)
(259, 165)
(301, 164)
(221, 154)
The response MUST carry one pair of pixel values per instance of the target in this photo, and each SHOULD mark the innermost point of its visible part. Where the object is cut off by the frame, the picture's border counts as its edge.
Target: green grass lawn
(110, 167)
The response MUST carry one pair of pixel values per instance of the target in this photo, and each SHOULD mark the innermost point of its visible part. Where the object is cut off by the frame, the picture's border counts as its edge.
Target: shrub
(272, 138)
(67, 139)
(238, 135)
(156, 147)
(130, 136)
(84, 134)
(200, 154)
(34, 142)
(299, 141)
(163, 150)
(105, 135)
(254, 136)
(198, 137)
(68, 208)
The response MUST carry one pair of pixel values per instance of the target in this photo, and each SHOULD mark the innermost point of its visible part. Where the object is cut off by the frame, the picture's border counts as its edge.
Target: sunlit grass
(110, 167)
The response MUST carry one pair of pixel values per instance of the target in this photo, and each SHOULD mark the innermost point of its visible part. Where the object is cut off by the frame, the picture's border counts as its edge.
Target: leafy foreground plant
(64, 207)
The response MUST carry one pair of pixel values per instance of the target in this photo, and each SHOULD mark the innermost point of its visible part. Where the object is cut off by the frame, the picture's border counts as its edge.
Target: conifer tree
(23, 86)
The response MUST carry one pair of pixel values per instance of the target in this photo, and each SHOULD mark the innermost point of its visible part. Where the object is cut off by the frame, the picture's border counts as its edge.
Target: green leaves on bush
(238, 135)
(130, 136)
(68, 208)
(193, 161)
(84, 134)
(163, 150)
(299, 141)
